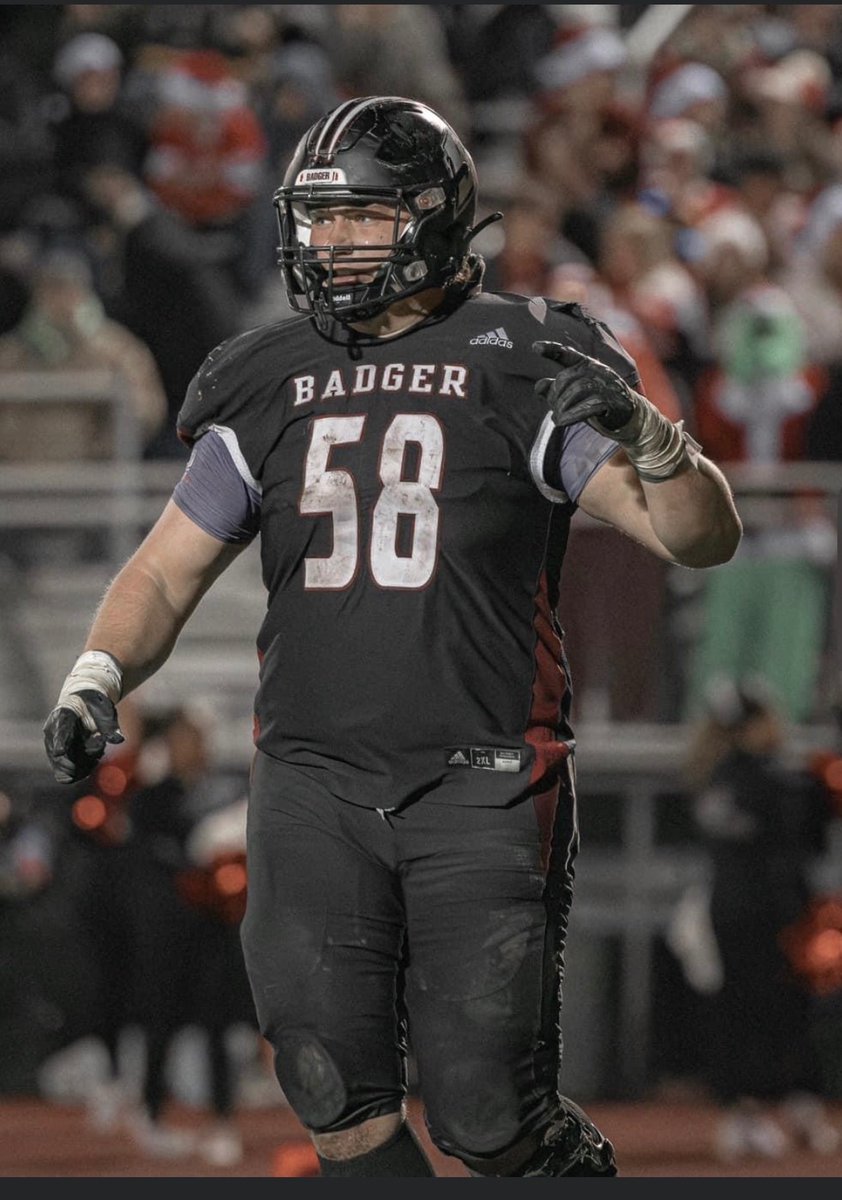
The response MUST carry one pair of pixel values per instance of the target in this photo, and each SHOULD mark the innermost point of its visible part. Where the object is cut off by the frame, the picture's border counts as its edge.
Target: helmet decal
(320, 175)
(338, 121)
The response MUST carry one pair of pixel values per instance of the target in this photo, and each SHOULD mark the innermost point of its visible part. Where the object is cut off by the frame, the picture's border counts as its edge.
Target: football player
(411, 450)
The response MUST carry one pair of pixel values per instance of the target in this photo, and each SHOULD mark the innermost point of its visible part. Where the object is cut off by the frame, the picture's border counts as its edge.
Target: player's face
(356, 232)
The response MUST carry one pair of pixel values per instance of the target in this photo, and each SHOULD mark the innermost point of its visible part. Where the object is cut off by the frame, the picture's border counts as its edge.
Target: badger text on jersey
(421, 379)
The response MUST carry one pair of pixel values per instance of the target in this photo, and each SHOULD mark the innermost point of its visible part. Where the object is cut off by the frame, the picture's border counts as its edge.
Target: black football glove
(75, 742)
(585, 390)
(84, 719)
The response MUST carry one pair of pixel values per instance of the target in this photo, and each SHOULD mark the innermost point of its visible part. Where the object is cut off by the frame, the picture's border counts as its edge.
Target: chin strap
(483, 224)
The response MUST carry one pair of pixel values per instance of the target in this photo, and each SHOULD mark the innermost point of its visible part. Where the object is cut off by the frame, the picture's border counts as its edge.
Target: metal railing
(46, 491)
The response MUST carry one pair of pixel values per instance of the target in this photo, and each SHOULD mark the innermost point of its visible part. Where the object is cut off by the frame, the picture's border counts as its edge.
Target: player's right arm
(149, 601)
(213, 514)
(132, 634)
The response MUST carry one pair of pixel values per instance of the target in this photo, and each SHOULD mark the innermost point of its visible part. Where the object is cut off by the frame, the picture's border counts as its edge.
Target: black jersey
(413, 522)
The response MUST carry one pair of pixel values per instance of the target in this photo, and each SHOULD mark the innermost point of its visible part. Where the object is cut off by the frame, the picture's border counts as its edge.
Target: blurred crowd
(688, 186)
(120, 905)
(753, 938)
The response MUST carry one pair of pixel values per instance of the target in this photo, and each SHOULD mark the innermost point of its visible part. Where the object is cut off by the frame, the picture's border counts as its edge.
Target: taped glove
(84, 720)
(585, 389)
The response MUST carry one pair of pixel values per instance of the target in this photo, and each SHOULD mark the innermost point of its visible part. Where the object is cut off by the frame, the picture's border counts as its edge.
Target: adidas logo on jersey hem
(497, 337)
(484, 758)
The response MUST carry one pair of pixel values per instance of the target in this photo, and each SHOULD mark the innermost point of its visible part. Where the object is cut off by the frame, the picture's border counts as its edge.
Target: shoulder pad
(605, 345)
(571, 307)
(220, 383)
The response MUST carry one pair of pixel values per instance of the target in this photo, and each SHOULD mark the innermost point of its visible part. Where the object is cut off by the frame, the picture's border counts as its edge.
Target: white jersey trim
(229, 437)
(536, 462)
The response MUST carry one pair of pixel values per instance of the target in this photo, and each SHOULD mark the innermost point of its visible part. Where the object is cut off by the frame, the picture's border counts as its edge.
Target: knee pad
(310, 1080)
(317, 1091)
(571, 1145)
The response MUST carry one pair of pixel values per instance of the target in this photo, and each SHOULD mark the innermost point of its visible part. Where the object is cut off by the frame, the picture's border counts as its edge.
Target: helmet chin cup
(392, 152)
(415, 271)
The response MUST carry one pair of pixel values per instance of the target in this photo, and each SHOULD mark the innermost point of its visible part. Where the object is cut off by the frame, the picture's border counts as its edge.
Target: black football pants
(442, 922)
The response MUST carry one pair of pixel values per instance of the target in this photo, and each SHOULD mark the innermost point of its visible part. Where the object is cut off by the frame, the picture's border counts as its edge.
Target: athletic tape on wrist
(656, 446)
(94, 670)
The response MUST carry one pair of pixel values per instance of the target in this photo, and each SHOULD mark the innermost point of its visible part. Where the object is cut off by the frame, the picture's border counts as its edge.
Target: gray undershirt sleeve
(573, 455)
(216, 490)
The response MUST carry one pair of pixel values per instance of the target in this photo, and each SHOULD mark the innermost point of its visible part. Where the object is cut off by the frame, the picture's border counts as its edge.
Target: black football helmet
(395, 153)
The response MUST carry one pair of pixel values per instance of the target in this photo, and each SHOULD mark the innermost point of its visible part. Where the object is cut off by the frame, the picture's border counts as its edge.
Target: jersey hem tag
(484, 758)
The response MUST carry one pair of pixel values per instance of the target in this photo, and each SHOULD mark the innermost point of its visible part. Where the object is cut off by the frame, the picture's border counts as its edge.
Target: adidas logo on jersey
(497, 337)
(458, 760)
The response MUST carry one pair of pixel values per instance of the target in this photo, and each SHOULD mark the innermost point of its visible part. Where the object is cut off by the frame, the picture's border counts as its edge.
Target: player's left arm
(688, 518)
(660, 489)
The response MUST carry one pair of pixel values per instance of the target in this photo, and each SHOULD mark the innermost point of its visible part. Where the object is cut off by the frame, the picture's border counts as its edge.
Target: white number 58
(332, 491)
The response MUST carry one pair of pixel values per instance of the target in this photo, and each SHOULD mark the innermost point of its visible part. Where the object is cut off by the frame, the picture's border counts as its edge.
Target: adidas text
(497, 337)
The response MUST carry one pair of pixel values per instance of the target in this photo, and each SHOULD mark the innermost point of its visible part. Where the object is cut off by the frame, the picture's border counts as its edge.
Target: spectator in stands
(102, 847)
(582, 140)
(814, 279)
(762, 183)
(53, 220)
(580, 71)
(762, 824)
(207, 152)
(817, 27)
(26, 143)
(637, 259)
(785, 108)
(64, 328)
(187, 893)
(124, 24)
(29, 853)
(769, 87)
(753, 404)
(297, 80)
(94, 126)
(494, 48)
(177, 294)
(206, 144)
(722, 36)
(290, 79)
(16, 252)
(375, 49)
(249, 36)
(692, 91)
(676, 159)
(532, 246)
